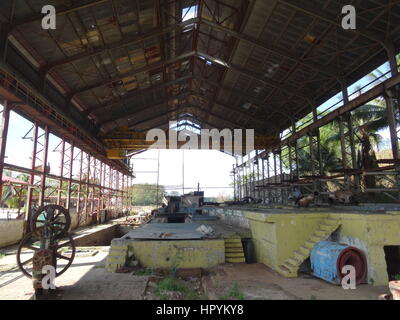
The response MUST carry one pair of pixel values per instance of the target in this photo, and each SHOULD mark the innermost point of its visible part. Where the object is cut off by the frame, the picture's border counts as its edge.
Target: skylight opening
(185, 124)
(189, 13)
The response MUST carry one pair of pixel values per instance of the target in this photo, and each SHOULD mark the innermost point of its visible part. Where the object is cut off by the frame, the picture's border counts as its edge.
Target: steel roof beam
(234, 109)
(256, 76)
(248, 97)
(59, 12)
(122, 116)
(122, 43)
(199, 119)
(255, 42)
(151, 67)
(311, 10)
(136, 94)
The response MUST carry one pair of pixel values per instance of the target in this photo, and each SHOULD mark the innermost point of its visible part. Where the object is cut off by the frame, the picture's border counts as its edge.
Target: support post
(5, 120)
(44, 166)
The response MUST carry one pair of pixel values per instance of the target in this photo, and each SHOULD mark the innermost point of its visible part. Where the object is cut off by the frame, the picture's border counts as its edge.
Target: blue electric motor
(328, 259)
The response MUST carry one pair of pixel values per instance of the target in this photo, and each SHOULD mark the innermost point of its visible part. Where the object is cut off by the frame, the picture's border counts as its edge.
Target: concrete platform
(279, 233)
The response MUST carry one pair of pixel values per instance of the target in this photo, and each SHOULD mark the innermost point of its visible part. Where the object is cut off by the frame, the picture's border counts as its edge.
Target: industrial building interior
(312, 203)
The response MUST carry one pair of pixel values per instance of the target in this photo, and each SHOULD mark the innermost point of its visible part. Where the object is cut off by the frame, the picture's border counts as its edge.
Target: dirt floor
(258, 282)
(87, 279)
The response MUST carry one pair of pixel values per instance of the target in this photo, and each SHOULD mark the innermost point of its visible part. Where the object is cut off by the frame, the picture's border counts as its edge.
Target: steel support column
(5, 120)
(44, 167)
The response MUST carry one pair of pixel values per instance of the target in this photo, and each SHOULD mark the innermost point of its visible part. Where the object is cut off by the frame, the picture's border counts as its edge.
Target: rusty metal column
(78, 200)
(391, 52)
(244, 177)
(269, 177)
(391, 112)
(87, 187)
(343, 152)
(276, 200)
(29, 197)
(60, 185)
(118, 193)
(109, 191)
(312, 160)
(94, 185)
(103, 187)
(258, 176)
(252, 178)
(289, 148)
(100, 192)
(5, 120)
(350, 128)
(263, 177)
(234, 181)
(44, 164)
(282, 175)
(71, 167)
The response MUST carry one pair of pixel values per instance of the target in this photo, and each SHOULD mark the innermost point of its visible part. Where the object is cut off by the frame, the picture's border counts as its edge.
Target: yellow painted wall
(11, 231)
(179, 254)
(276, 236)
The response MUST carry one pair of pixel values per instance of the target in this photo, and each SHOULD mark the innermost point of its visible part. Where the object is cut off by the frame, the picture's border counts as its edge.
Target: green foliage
(174, 284)
(146, 194)
(144, 272)
(396, 277)
(171, 284)
(367, 121)
(233, 293)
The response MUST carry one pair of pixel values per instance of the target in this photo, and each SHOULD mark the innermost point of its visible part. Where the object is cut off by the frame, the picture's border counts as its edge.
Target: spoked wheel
(52, 216)
(63, 251)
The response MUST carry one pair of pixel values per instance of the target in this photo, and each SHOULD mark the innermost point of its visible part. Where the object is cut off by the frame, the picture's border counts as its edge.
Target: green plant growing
(174, 284)
(233, 293)
(144, 272)
(169, 283)
(396, 277)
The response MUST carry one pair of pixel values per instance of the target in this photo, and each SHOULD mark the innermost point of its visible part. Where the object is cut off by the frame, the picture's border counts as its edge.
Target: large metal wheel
(62, 249)
(51, 216)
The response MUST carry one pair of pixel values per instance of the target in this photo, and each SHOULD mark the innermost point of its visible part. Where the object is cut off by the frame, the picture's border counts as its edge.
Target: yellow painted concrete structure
(167, 254)
(11, 231)
(276, 236)
(179, 254)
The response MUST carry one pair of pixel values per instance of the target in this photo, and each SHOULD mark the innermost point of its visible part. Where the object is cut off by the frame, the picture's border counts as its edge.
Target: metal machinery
(47, 243)
(328, 259)
(177, 208)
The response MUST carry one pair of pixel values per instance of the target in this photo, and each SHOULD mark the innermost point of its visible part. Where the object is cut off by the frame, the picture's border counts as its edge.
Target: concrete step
(315, 239)
(235, 260)
(321, 233)
(304, 250)
(233, 240)
(234, 255)
(294, 262)
(233, 250)
(286, 272)
(309, 244)
(233, 245)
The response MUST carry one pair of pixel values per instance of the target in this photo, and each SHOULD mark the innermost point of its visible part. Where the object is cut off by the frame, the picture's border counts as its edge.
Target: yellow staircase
(290, 267)
(234, 250)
